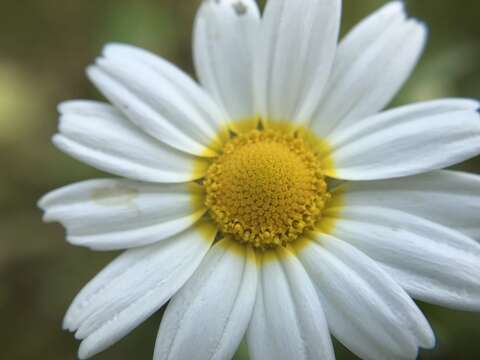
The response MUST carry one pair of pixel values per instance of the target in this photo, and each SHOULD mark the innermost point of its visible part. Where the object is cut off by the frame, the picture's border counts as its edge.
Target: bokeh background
(45, 46)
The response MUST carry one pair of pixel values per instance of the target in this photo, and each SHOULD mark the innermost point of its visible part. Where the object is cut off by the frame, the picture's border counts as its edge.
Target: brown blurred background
(45, 46)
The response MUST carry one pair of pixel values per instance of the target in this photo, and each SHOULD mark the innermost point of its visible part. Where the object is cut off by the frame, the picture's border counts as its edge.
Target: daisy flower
(275, 201)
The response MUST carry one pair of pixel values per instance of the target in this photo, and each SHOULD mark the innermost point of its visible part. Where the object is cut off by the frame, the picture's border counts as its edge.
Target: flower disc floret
(266, 188)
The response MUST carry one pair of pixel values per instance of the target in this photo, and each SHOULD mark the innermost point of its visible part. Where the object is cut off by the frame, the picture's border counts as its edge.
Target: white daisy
(229, 211)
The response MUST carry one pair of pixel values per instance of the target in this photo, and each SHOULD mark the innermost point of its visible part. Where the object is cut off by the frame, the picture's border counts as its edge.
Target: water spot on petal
(118, 195)
(240, 8)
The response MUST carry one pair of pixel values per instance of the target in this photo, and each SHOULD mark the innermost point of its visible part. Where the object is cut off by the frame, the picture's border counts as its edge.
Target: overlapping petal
(406, 141)
(294, 54)
(101, 136)
(450, 198)
(372, 63)
(109, 214)
(224, 41)
(366, 310)
(159, 98)
(133, 287)
(432, 262)
(209, 315)
(288, 320)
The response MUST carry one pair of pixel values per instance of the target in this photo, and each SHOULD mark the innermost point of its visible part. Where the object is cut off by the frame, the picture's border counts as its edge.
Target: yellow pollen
(266, 188)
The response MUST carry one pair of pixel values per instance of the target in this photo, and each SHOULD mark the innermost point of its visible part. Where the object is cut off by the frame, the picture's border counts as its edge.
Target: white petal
(449, 198)
(110, 214)
(209, 315)
(133, 287)
(99, 135)
(366, 310)
(288, 320)
(372, 63)
(408, 140)
(432, 262)
(159, 98)
(224, 38)
(294, 55)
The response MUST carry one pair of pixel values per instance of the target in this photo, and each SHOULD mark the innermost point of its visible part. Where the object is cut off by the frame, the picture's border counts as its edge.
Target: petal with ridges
(288, 320)
(159, 98)
(224, 38)
(177, 78)
(432, 262)
(366, 310)
(101, 136)
(133, 287)
(406, 141)
(109, 214)
(450, 198)
(372, 63)
(294, 55)
(209, 315)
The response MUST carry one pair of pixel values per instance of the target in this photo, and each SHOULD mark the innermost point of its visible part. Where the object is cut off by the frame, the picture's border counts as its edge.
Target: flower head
(275, 201)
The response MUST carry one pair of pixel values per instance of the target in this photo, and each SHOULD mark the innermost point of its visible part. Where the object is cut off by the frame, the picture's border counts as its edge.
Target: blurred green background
(45, 46)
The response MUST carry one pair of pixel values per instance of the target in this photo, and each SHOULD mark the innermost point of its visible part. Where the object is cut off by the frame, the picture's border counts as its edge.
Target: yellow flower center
(266, 188)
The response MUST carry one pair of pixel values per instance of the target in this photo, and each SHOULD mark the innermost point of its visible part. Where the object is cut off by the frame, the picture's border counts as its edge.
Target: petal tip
(418, 25)
(62, 107)
(92, 71)
(431, 342)
(85, 352)
(395, 7)
(57, 139)
(113, 46)
(66, 326)
(42, 203)
(46, 217)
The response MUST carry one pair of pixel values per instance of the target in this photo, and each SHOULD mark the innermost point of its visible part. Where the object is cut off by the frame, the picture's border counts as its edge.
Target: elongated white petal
(449, 198)
(432, 262)
(294, 55)
(109, 214)
(366, 310)
(224, 38)
(372, 63)
(408, 140)
(100, 136)
(209, 315)
(133, 287)
(159, 98)
(288, 320)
